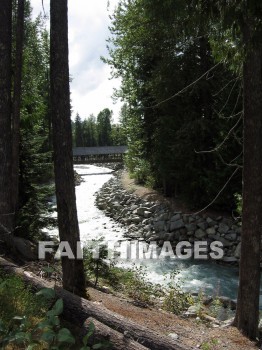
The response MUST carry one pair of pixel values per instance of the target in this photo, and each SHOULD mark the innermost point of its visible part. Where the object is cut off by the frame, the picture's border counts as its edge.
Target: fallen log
(102, 332)
(77, 310)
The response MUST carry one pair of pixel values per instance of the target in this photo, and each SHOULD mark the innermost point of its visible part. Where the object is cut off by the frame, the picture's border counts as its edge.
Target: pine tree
(73, 270)
(6, 205)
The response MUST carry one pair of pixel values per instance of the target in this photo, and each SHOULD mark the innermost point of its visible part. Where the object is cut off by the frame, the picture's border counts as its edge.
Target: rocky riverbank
(156, 221)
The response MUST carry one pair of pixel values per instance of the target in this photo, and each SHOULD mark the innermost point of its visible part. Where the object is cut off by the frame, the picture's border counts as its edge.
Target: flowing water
(194, 276)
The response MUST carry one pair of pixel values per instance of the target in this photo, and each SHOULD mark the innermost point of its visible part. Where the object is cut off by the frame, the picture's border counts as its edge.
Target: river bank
(148, 216)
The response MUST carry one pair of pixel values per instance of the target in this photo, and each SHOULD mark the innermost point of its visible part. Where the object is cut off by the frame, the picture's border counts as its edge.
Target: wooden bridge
(106, 154)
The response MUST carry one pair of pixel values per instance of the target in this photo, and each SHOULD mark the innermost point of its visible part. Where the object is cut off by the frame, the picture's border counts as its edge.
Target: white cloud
(91, 89)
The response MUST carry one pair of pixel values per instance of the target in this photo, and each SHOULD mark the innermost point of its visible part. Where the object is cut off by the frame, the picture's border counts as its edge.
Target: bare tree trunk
(77, 310)
(73, 270)
(249, 280)
(17, 102)
(6, 212)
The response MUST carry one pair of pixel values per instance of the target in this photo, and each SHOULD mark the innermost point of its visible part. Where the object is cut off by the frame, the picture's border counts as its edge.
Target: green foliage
(167, 124)
(213, 344)
(94, 259)
(98, 131)
(104, 127)
(86, 340)
(239, 203)
(36, 169)
(175, 299)
(26, 322)
(18, 300)
(142, 173)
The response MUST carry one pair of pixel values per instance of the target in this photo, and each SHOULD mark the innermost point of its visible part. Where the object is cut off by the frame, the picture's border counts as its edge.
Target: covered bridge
(103, 154)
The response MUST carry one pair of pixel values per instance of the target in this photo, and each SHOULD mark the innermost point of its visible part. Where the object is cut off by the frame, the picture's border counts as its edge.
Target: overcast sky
(91, 89)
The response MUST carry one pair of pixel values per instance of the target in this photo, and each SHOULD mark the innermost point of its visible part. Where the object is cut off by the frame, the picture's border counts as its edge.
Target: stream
(193, 276)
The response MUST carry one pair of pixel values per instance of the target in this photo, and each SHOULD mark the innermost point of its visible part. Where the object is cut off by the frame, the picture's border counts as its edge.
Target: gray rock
(191, 219)
(203, 225)
(225, 301)
(200, 233)
(173, 335)
(211, 231)
(227, 222)
(222, 314)
(154, 238)
(140, 211)
(173, 236)
(229, 259)
(192, 311)
(209, 220)
(26, 248)
(147, 214)
(224, 241)
(237, 251)
(231, 236)
(163, 217)
(223, 228)
(190, 233)
(191, 227)
(175, 217)
(136, 219)
(175, 225)
(159, 226)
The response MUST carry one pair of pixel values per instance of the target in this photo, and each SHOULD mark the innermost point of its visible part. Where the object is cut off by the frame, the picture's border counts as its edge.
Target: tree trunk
(118, 341)
(17, 102)
(73, 270)
(6, 212)
(77, 310)
(249, 280)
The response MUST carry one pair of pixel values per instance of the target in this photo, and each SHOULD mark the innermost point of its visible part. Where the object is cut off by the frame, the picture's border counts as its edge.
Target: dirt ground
(195, 334)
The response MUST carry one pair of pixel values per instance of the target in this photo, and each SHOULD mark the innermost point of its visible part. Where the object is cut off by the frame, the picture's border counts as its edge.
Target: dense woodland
(98, 131)
(192, 87)
(192, 90)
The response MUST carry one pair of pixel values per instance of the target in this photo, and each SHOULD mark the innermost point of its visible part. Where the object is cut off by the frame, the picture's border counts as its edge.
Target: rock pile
(152, 221)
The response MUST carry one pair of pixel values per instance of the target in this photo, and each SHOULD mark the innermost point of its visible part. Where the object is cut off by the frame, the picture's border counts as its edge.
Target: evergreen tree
(73, 270)
(36, 170)
(104, 127)
(6, 205)
(78, 128)
(90, 131)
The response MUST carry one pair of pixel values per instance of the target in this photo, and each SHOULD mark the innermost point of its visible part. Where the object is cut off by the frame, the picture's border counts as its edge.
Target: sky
(91, 88)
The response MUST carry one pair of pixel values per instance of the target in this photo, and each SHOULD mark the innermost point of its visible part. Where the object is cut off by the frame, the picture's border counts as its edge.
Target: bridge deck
(99, 154)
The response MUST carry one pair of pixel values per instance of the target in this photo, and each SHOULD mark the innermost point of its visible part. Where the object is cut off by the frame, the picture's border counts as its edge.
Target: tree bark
(247, 313)
(6, 212)
(77, 310)
(17, 102)
(73, 270)
(102, 332)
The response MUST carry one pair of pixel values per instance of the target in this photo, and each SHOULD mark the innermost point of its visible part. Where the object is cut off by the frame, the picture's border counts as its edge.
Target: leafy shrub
(26, 322)
(176, 300)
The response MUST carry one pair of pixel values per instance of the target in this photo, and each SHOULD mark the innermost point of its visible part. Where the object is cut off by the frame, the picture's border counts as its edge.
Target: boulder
(237, 251)
(191, 227)
(200, 233)
(175, 217)
(211, 231)
(26, 248)
(175, 225)
(231, 236)
(203, 225)
(229, 259)
(223, 228)
(159, 226)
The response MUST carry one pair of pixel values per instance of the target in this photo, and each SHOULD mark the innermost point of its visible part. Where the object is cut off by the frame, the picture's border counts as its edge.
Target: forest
(191, 116)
